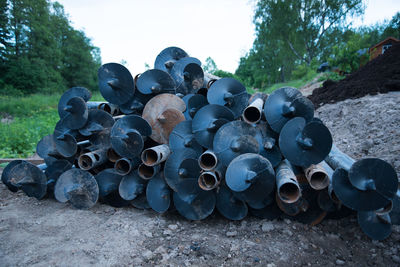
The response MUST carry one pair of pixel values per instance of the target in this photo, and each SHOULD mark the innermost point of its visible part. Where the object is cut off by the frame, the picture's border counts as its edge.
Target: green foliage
(210, 66)
(334, 76)
(41, 52)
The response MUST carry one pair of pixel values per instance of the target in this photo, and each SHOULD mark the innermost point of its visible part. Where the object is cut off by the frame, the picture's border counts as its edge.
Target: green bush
(334, 76)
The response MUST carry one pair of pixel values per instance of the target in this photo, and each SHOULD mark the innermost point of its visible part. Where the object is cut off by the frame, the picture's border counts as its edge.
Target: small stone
(167, 232)
(267, 227)
(287, 221)
(321, 251)
(287, 232)
(271, 265)
(173, 227)
(340, 262)
(148, 234)
(396, 258)
(231, 233)
(147, 254)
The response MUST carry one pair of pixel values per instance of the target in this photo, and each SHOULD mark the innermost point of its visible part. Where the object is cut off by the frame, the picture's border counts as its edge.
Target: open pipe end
(123, 166)
(146, 172)
(319, 180)
(85, 162)
(208, 161)
(150, 157)
(289, 193)
(208, 181)
(251, 114)
(112, 155)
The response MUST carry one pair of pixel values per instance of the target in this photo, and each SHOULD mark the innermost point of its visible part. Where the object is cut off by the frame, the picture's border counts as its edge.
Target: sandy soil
(43, 233)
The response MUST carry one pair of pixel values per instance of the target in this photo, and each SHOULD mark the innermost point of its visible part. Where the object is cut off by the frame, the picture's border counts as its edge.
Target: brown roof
(387, 39)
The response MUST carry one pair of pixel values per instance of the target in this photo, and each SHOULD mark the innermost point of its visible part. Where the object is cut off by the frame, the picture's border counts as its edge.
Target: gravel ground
(43, 233)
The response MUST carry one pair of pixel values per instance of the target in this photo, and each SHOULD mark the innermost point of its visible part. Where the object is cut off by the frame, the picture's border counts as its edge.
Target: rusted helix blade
(75, 113)
(268, 143)
(192, 202)
(251, 171)
(73, 92)
(230, 93)
(288, 188)
(127, 135)
(131, 186)
(360, 200)
(207, 121)
(97, 121)
(375, 226)
(374, 174)
(22, 175)
(305, 143)
(180, 165)
(78, 187)
(155, 155)
(167, 58)
(193, 102)
(284, 104)
(163, 112)
(155, 82)
(158, 194)
(182, 137)
(233, 139)
(229, 205)
(115, 83)
(188, 75)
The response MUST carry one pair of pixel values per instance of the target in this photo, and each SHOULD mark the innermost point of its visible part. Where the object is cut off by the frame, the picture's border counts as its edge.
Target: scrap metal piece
(73, 92)
(207, 121)
(158, 194)
(78, 187)
(155, 82)
(188, 75)
(27, 177)
(46, 149)
(5, 175)
(305, 143)
(182, 137)
(127, 135)
(193, 102)
(284, 104)
(167, 58)
(75, 113)
(375, 226)
(180, 165)
(233, 139)
(131, 186)
(288, 188)
(229, 205)
(163, 112)
(97, 121)
(230, 93)
(116, 83)
(155, 155)
(197, 208)
(66, 145)
(135, 104)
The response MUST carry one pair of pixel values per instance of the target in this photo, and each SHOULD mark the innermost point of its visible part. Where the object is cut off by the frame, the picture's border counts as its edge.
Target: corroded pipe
(288, 188)
(253, 112)
(155, 155)
(209, 180)
(124, 165)
(317, 176)
(337, 159)
(92, 159)
(147, 172)
(109, 108)
(208, 160)
(112, 155)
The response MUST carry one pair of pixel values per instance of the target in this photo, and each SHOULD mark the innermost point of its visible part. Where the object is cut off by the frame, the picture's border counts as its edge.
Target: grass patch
(33, 117)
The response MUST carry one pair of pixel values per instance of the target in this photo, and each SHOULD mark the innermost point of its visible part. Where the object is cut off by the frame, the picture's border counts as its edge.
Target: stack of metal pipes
(176, 139)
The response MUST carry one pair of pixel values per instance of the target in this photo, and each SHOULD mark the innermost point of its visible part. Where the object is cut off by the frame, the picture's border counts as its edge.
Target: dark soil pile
(380, 75)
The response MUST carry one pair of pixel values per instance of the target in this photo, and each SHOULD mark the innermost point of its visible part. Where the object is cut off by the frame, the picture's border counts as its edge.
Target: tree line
(41, 52)
(293, 37)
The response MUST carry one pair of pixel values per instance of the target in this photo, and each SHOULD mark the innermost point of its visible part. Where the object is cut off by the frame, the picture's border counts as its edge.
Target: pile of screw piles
(175, 138)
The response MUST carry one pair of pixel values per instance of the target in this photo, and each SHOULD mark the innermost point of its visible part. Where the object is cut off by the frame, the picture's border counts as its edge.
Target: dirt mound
(380, 75)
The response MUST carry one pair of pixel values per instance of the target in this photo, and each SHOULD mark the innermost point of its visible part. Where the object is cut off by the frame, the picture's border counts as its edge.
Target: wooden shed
(381, 47)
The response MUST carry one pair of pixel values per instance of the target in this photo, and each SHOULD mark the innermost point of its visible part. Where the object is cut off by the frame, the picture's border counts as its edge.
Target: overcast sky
(137, 30)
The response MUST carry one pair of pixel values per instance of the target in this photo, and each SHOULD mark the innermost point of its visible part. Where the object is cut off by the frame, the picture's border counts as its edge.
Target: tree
(210, 66)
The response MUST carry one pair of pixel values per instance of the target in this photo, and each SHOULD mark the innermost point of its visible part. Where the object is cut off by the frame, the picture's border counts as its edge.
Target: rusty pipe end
(123, 166)
(86, 161)
(317, 177)
(155, 155)
(252, 114)
(208, 160)
(289, 192)
(112, 155)
(209, 180)
(147, 172)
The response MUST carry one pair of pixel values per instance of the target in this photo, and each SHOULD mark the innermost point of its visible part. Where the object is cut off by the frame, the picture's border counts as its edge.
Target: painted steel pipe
(208, 161)
(288, 188)
(253, 112)
(112, 155)
(148, 172)
(92, 159)
(155, 155)
(337, 159)
(317, 176)
(124, 165)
